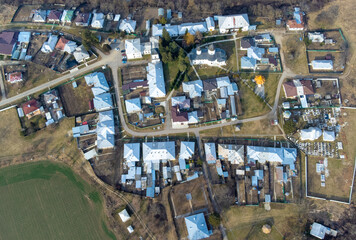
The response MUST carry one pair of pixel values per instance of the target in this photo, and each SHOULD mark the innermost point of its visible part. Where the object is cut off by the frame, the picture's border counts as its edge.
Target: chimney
(198, 51)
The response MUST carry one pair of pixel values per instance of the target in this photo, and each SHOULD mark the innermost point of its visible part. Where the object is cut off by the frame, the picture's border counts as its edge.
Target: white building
(255, 53)
(98, 20)
(285, 156)
(98, 81)
(105, 130)
(127, 25)
(328, 136)
(50, 44)
(208, 56)
(124, 215)
(233, 23)
(322, 65)
(310, 134)
(102, 102)
(192, 28)
(132, 152)
(133, 105)
(81, 54)
(155, 78)
(210, 24)
(193, 88)
(158, 151)
(319, 231)
(158, 28)
(133, 48)
(316, 37)
(210, 153)
(39, 16)
(232, 153)
(187, 150)
(181, 101)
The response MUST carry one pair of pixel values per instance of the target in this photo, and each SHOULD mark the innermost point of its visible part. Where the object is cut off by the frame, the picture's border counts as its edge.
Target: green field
(45, 200)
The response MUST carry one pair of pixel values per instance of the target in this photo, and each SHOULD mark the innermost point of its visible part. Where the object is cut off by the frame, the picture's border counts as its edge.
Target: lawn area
(229, 48)
(295, 55)
(337, 184)
(245, 222)
(252, 106)
(55, 140)
(45, 200)
(262, 127)
(36, 75)
(207, 72)
(170, 71)
(271, 84)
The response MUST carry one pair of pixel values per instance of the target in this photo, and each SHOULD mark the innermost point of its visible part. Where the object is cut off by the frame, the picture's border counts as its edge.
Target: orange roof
(293, 23)
(61, 43)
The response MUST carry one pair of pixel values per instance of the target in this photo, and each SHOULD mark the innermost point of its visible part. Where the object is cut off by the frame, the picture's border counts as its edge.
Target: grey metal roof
(220, 55)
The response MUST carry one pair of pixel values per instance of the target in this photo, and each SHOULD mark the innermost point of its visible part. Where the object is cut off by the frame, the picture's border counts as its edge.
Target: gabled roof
(105, 130)
(178, 116)
(127, 25)
(248, 63)
(328, 136)
(223, 82)
(54, 15)
(181, 101)
(133, 105)
(210, 152)
(193, 88)
(30, 106)
(233, 21)
(290, 88)
(102, 101)
(67, 16)
(255, 52)
(155, 79)
(210, 84)
(187, 150)
(193, 117)
(264, 154)
(15, 77)
(98, 80)
(80, 53)
(132, 152)
(247, 42)
(98, 20)
(82, 18)
(50, 44)
(196, 226)
(124, 215)
(7, 41)
(157, 30)
(157, 151)
(232, 153)
(210, 22)
(192, 28)
(61, 43)
(133, 46)
(39, 15)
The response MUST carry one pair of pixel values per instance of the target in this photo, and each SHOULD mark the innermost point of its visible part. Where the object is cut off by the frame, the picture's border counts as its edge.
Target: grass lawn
(36, 75)
(337, 184)
(262, 127)
(45, 200)
(207, 72)
(252, 106)
(54, 140)
(295, 55)
(229, 48)
(245, 222)
(271, 84)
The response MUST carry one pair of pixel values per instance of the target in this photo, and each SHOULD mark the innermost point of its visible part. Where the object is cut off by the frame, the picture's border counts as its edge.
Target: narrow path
(2, 85)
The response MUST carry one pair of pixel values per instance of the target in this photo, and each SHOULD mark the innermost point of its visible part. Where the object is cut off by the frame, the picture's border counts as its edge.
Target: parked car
(123, 50)
(117, 49)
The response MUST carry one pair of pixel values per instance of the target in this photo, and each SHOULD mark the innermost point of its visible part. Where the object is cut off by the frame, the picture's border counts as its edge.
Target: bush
(106, 48)
(290, 127)
(214, 220)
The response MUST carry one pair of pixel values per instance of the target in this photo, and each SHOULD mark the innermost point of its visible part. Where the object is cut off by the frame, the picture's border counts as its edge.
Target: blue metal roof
(196, 226)
(248, 63)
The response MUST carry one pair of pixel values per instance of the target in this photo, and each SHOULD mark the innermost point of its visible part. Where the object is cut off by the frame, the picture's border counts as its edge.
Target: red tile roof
(30, 106)
(61, 43)
(291, 90)
(293, 23)
(15, 77)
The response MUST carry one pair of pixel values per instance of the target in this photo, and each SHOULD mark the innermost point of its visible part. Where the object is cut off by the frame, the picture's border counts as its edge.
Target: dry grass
(6, 13)
(54, 142)
(245, 222)
(256, 128)
(346, 21)
(294, 52)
